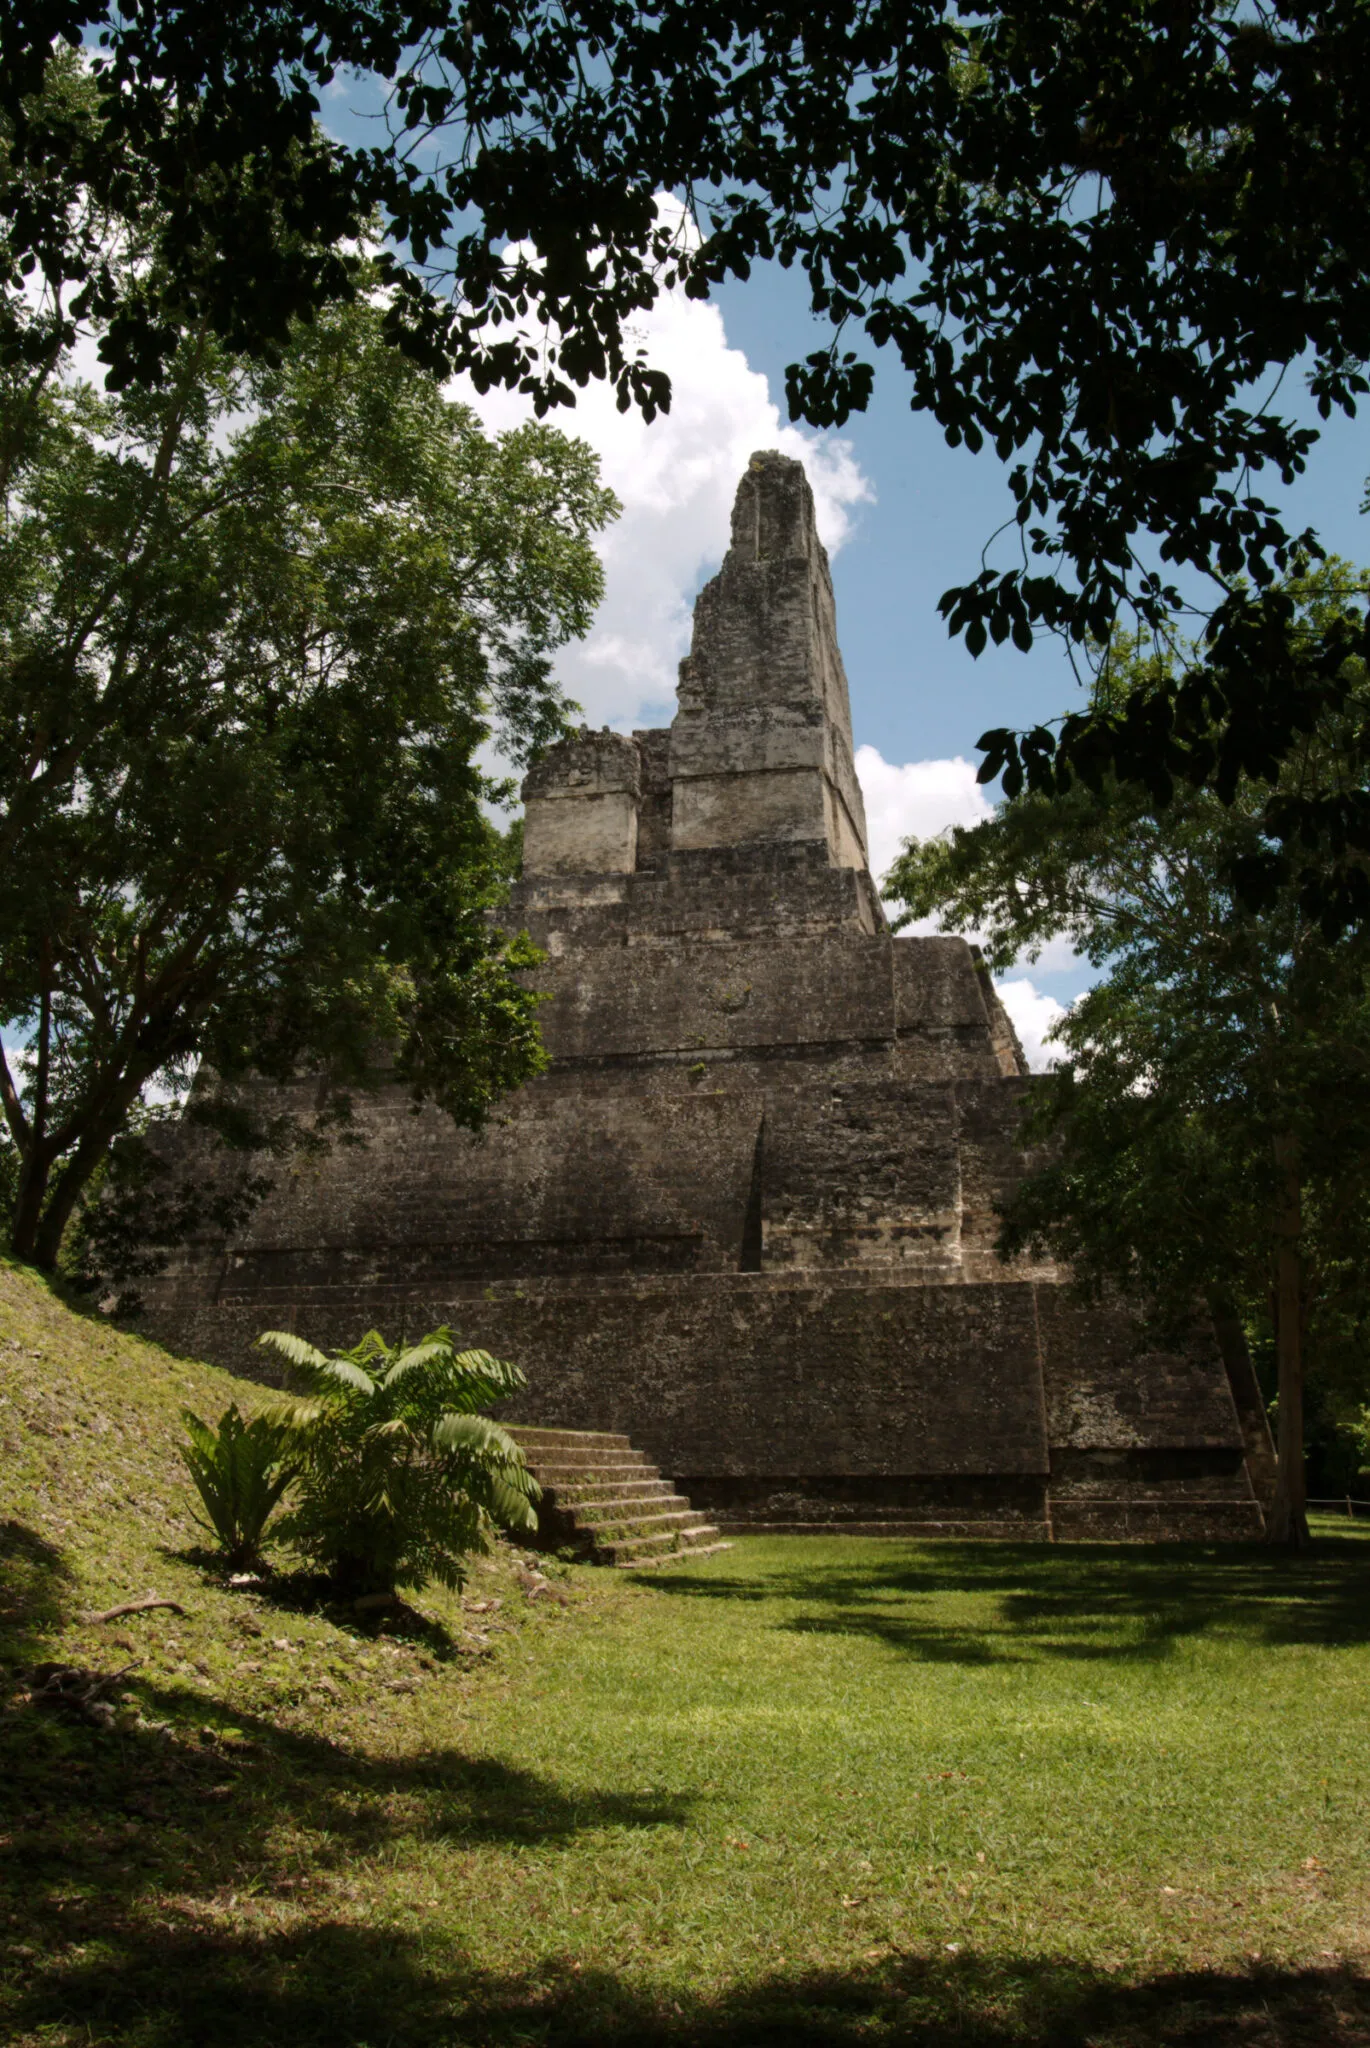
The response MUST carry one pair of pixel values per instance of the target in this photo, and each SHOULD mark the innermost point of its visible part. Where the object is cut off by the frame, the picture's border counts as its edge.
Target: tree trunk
(1287, 1522)
(28, 1210)
(52, 1226)
(75, 1177)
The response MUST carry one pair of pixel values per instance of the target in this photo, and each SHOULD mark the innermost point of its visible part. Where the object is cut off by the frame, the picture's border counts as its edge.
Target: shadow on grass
(125, 1851)
(35, 1591)
(1084, 1601)
(202, 1797)
(353, 1986)
(932, 1645)
(302, 1591)
(213, 1792)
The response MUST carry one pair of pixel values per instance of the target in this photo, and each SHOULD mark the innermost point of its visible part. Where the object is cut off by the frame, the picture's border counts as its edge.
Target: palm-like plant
(240, 1470)
(400, 1476)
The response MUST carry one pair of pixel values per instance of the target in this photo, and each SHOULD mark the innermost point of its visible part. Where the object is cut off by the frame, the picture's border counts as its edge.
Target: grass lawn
(807, 1791)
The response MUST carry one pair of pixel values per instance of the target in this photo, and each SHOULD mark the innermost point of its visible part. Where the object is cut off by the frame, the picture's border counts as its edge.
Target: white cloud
(919, 800)
(915, 799)
(676, 480)
(1033, 1015)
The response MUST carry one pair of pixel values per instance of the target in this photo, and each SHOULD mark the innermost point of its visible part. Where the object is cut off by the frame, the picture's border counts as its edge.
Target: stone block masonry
(747, 1219)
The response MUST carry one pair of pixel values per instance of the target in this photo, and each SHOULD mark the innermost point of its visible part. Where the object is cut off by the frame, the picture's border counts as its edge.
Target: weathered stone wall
(729, 1374)
(867, 1400)
(749, 1216)
(761, 745)
(581, 811)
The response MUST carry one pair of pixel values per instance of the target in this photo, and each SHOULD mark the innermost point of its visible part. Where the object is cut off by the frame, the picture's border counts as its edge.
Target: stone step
(567, 1439)
(619, 1548)
(623, 1479)
(592, 1514)
(584, 1480)
(1022, 1531)
(571, 1462)
(607, 1498)
(626, 1528)
(599, 1485)
(670, 1557)
(588, 1492)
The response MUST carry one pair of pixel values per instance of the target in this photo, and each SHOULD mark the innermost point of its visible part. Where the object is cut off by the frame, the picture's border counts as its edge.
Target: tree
(255, 622)
(399, 1475)
(1094, 238)
(1210, 1117)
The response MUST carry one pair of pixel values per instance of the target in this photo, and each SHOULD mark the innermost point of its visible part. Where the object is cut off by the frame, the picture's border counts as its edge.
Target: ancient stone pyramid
(748, 1216)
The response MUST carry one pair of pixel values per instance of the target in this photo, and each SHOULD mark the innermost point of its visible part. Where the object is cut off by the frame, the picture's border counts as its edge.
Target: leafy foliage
(401, 1476)
(1086, 235)
(240, 1470)
(1273, 668)
(1210, 1117)
(254, 624)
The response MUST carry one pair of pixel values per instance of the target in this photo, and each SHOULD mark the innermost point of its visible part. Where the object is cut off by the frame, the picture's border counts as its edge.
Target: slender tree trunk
(28, 1209)
(77, 1171)
(1287, 1522)
(71, 1183)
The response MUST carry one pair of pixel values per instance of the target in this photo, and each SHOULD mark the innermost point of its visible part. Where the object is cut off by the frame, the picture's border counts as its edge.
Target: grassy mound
(811, 1791)
(263, 1739)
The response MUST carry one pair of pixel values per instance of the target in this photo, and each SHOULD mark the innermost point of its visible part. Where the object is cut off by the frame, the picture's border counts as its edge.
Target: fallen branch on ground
(136, 1607)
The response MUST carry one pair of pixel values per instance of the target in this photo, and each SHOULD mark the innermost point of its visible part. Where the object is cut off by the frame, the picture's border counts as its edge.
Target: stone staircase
(602, 1498)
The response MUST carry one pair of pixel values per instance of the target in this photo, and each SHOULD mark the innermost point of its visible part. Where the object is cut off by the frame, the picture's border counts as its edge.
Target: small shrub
(400, 1476)
(240, 1470)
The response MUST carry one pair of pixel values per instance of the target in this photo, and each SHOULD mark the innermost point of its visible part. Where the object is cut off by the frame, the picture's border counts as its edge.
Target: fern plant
(240, 1470)
(400, 1476)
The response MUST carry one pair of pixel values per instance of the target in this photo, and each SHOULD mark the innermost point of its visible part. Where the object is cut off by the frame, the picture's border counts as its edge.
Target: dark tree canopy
(1093, 237)
(1083, 232)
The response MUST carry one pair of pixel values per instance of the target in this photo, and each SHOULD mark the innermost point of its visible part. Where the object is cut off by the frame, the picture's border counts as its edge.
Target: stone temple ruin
(748, 1217)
